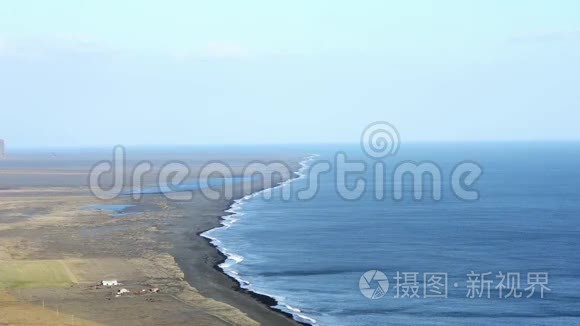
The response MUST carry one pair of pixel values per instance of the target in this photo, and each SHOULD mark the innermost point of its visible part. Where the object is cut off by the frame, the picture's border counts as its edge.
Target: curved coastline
(229, 258)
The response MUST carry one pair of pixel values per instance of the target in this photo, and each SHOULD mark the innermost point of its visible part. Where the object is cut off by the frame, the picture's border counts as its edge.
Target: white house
(110, 283)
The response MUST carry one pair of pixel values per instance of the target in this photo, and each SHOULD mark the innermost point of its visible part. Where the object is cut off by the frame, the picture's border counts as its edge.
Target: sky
(106, 72)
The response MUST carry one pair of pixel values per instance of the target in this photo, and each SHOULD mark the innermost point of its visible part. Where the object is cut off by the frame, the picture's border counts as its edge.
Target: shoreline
(162, 247)
(270, 301)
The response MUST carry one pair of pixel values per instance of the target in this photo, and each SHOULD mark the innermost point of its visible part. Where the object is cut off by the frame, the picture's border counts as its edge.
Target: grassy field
(35, 273)
(13, 312)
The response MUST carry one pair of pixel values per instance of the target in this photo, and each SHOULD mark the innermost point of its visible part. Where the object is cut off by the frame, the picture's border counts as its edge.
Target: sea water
(311, 254)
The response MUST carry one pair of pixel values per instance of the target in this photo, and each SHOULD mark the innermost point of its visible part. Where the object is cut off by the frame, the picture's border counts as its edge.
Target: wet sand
(41, 220)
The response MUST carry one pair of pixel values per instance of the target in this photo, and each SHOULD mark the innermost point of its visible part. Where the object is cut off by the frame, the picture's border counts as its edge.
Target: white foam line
(232, 258)
(309, 319)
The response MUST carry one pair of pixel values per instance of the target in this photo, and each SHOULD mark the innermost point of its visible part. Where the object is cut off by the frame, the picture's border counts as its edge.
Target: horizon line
(168, 145)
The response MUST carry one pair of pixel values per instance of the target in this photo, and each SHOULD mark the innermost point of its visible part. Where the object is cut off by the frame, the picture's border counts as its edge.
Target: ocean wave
(306, 319)
(296, 313)
(233, 259)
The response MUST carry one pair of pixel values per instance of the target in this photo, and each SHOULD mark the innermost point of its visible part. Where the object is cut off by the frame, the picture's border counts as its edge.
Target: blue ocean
(317, 257)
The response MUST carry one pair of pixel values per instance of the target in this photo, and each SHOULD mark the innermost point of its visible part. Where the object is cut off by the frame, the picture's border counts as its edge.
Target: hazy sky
(189, 72)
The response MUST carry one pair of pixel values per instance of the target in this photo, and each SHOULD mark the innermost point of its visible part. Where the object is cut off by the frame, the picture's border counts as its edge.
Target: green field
(34, 273)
